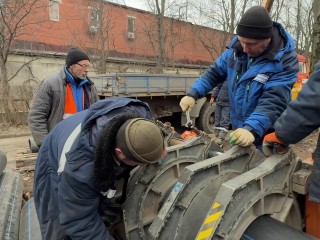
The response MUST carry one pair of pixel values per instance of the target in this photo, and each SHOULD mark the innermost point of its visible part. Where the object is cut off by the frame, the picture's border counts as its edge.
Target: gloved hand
(211, 100)
(272, 144)
(241, 137)
(187, 103)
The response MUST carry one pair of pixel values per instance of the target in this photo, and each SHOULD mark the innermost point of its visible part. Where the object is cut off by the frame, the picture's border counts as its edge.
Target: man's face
(80, 69)
(253, 47)
(123, 158)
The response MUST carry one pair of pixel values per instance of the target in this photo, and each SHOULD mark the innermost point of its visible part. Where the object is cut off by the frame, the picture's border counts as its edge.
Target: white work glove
(241, 137)
(187, 103)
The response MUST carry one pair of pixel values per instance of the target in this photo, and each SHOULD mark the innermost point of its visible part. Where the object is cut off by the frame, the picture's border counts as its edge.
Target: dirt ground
(13, 138)
(306, 147)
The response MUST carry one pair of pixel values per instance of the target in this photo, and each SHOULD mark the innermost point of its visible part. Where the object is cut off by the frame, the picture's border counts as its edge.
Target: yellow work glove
(241, 137)
(187, 103)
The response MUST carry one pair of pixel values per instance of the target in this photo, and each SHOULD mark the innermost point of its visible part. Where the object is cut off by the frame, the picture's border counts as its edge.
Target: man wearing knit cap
(61, 95)
(261, 66)
(84, 163)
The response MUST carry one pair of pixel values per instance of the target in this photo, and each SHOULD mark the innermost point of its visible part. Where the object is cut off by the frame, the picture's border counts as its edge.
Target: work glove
(273, 145)
(241, 137)
(187, 103)
(211, 101)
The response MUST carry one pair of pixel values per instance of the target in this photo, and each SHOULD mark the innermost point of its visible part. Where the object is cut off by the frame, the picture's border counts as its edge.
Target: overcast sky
(140, 4)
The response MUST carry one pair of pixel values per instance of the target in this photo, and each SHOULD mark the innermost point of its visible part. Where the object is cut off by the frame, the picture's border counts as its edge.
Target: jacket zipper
(249, 84)
(235, 81)
(248, 90)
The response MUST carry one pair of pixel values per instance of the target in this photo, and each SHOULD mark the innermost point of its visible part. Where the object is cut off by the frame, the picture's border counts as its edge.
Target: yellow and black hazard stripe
(210, 222)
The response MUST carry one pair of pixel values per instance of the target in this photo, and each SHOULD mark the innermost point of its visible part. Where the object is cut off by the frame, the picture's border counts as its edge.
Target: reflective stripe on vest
(67, 146)
(70, 106)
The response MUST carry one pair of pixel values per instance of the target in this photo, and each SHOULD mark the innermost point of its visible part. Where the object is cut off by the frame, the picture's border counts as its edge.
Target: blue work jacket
(66, 196)
(259, 88)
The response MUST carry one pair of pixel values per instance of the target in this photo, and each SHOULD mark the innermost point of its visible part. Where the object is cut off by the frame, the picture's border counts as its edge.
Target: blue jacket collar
(71, 80)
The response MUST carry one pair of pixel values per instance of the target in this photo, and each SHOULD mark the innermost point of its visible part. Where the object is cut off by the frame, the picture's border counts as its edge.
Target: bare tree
(164, 29)
(316, 33)
(160, 9)
(99, 21)
(17, 19)
(218, 14)
(297, 19)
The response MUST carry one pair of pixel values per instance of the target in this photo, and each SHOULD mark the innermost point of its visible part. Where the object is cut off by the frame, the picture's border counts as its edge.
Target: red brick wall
(72, 29)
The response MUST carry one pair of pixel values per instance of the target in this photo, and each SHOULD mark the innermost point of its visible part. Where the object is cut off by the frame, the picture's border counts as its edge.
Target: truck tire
(206, 120)
(11, 188)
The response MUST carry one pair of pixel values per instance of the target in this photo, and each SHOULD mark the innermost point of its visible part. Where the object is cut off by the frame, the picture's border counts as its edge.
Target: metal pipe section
(33, 146)
(268, 228)
(29, 224)
(3, 161)
(11, 188)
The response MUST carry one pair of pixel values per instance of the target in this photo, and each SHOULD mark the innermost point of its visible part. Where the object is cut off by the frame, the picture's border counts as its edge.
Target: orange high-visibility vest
(70, 104)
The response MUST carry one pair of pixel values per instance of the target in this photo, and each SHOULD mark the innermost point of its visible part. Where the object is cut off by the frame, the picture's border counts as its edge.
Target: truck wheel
(205, 121)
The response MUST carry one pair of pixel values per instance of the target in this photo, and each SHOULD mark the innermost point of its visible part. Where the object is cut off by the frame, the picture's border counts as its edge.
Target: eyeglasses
(83, 66)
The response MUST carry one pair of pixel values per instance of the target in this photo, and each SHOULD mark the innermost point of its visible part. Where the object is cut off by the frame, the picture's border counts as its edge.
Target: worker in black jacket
(301, 118)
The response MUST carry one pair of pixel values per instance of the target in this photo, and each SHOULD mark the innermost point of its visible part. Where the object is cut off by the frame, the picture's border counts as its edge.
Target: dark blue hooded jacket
(300, 119)
(69, 186)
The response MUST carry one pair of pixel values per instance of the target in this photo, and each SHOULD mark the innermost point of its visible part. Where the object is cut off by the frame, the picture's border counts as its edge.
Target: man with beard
(61, 95)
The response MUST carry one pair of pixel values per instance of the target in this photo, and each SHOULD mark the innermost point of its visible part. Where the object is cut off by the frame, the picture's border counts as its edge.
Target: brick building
(125, 38)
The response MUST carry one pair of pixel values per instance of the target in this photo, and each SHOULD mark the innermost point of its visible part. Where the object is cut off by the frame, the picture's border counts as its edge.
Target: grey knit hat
(75, 55)
(255, 23)
(141, 140)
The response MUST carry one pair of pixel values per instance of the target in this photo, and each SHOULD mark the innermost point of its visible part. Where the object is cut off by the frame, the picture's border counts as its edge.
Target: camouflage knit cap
(141, 140)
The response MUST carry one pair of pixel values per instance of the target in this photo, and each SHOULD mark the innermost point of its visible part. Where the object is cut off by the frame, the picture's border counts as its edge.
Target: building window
(131, 27)
(94, 20)
(54, 10)
(94, 17)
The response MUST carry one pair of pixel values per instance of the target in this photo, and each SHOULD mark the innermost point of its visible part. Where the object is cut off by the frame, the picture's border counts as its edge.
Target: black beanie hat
(255, 23)
(141, 140)
(75, 55)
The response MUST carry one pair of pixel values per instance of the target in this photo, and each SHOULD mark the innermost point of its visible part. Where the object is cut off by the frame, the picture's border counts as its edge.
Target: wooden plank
(25, 160)
(26, 169)
(25, 155)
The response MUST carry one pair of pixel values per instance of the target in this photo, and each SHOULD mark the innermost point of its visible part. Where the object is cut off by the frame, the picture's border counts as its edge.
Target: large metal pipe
(3, 161)
(29, 224)
(11, 188)
(267, 228)
(33, 146)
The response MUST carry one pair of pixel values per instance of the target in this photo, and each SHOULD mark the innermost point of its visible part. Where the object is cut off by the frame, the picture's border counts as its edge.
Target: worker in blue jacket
(82, 161)
(261, 67)
(300, 119)
(222, 112)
